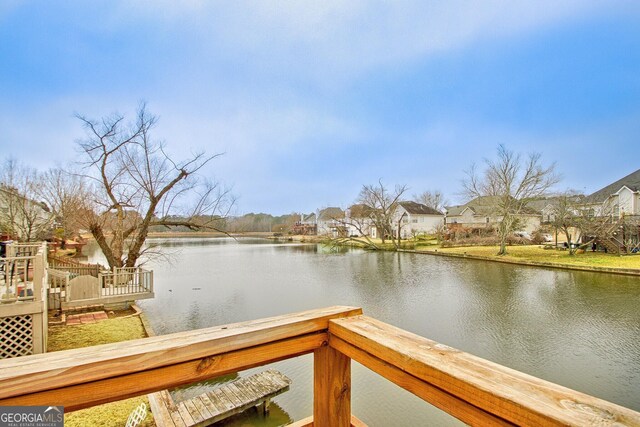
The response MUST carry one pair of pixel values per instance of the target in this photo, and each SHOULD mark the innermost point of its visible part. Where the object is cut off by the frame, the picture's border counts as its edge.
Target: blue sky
(311, 100)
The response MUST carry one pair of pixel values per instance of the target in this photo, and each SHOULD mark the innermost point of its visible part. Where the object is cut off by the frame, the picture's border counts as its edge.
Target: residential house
(480, 214)
(358, 220)
(306, 226)
(416, 218)
(330, 222)
(617, 199)
(23, 218)
(616, 213)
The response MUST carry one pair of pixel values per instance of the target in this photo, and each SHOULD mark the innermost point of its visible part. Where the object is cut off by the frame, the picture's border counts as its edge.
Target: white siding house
(416, 218)
(330, 222)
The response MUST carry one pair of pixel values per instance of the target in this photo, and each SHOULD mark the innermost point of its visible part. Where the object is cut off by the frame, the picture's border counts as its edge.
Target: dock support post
(331, 388)
(263, 408)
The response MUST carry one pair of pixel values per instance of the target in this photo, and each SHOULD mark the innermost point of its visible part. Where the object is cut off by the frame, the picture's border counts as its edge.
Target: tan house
(480, 214)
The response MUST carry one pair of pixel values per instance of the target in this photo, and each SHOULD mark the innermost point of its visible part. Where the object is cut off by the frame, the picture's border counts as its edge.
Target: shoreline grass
(536, 254)
(104, 332)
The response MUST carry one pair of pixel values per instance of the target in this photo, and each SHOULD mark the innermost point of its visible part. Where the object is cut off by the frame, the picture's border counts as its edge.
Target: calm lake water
(577, 329)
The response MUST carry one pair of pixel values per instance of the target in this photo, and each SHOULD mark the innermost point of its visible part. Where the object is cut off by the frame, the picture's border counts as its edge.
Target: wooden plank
(266, 386)
(202, 407)
(211, 408)
(233, 388)
(246, 392)
(160, 410)
(184, 413)
(221, 399)
(107, 390)
(193, 411)
(177, 418)
(459, 408)
(219, 408)
(255, 384)
(331, 388)
(231, 396)
(165, 399)
(508, 394)
(62, 369)
(230, 399)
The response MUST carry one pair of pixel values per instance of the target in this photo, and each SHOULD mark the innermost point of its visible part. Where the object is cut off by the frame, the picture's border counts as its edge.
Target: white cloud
(343, 39)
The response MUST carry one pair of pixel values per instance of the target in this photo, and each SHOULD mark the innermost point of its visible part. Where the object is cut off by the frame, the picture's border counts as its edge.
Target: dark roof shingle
(419, 209)
(631, 181)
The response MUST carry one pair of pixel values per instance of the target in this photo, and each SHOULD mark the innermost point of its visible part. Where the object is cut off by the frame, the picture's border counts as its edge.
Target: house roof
(482, 205)
(632, 181)
(485, 206)
(309, 218)
(330, 213)
(360, 210)
(419, 209)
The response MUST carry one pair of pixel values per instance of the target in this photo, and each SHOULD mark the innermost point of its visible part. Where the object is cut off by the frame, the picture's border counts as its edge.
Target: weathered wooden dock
(220, 403)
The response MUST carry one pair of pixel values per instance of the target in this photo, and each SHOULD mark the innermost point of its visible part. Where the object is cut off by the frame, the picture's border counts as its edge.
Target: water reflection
(578, 329)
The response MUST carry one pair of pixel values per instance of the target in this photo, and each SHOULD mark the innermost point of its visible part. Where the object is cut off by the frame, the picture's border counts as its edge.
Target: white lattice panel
(17, 336)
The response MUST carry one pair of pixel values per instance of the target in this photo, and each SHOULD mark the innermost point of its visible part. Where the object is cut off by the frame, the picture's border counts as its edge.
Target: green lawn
(535, 253)
(104, 332)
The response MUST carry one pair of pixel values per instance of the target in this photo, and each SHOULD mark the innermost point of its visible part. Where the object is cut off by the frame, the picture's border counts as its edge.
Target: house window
(487, 220)
(414, 221)
(616, 210)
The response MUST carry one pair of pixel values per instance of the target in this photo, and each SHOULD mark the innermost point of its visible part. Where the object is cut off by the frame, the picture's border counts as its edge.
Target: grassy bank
(536, 254)
(104, 332)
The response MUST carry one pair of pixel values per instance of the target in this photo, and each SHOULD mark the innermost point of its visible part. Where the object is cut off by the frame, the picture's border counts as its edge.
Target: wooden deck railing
(74, 267)
(474, 390)
(126, 281)
(23, 312)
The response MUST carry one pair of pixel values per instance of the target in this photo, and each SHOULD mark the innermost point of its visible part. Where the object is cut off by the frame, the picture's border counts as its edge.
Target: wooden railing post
(331, 388)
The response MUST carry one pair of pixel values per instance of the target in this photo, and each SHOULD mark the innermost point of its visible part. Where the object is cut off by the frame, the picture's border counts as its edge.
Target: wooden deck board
(219, 403)
(219, 406)
(184, 413)
(194, 411)
(222, 399)
(213, 411)
(161, 412)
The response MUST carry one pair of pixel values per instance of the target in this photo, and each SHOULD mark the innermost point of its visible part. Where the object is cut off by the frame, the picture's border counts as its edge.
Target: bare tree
(510, 182)
(384, 203)
(566, 215)
(66, 193)
(137, 185)
(357, 223)
(433, 199)
(23, 215)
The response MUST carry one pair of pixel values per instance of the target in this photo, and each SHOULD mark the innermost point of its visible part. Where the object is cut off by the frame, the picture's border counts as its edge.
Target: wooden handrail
(472, 389)
(89, 376)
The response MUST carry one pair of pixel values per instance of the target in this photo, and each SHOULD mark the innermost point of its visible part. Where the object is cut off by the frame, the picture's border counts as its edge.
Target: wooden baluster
(331, 388)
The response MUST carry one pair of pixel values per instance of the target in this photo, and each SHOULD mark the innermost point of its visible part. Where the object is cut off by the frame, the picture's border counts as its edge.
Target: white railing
(58, 285)
(125, 281)
(17, 271)
(23, 306)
